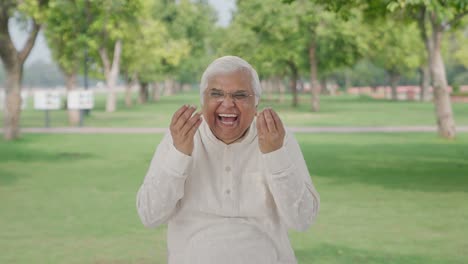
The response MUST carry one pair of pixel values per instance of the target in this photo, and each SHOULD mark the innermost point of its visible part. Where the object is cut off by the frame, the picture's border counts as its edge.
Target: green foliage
(459, 43)
(109, 21)
(273, 34)
(396, 47)
(79, 25)
(66, 33)
(444, 11)
(34, 9)
(266, 33)
(148, 47)
(192, 23)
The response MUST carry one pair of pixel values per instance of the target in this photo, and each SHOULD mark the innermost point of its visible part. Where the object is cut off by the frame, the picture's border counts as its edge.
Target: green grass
(386, 198)
(335, 111)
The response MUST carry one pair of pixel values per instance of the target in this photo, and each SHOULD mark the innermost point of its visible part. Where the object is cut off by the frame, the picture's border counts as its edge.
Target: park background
(391, 170)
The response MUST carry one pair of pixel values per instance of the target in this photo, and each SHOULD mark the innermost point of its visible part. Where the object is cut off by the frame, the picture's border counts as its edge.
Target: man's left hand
(270, 131)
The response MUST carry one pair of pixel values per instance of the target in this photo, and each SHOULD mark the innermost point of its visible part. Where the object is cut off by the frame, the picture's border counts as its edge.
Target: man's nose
(228, 100)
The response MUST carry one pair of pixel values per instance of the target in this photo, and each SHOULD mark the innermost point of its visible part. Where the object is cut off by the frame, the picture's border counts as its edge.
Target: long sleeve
(163, 185)
(291, 185)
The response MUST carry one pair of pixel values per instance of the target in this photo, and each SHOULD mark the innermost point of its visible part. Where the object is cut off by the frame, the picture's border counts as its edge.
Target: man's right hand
(183, 128)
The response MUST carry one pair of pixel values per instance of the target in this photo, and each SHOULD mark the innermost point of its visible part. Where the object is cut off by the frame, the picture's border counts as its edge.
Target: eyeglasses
(219, 96)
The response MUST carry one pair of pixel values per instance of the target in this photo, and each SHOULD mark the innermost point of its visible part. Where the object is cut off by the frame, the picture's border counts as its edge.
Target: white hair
(230, 64)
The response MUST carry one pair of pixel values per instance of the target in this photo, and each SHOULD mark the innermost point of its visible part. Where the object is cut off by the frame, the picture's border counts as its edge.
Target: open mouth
(227, 119)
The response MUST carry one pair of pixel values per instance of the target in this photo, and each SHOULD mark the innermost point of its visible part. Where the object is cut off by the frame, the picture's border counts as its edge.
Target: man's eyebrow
(219, 90)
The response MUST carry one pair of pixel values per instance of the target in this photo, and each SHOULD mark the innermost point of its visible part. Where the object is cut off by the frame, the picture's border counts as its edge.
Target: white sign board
(46, 100)
(24, 100)
(82, 99)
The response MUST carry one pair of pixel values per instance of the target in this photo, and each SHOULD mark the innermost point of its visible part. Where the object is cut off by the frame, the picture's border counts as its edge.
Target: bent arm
(291, 185)
(163, 185)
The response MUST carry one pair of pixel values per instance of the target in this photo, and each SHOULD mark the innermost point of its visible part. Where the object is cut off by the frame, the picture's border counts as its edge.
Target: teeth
(227, 115)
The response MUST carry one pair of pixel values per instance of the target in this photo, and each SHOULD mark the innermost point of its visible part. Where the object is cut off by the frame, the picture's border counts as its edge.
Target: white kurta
(228, 203)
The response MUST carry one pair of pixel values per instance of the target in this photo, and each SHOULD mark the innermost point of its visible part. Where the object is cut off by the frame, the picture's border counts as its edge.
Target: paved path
(155, 130)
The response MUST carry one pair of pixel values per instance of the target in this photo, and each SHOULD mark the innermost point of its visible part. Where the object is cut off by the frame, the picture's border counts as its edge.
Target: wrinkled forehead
(231, 81)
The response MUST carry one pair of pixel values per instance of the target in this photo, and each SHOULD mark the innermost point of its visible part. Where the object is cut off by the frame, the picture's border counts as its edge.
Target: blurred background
(375, 90)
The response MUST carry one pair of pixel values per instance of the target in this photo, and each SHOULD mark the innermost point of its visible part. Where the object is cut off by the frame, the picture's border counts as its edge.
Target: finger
(278, 122)
(190, 123)
(269, 121)
(261, 124)
(184, 117)
(178, 113)
(195, 127)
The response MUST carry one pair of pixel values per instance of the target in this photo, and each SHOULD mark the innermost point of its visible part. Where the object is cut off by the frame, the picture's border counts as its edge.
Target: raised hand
(184, 125)
(270, 131)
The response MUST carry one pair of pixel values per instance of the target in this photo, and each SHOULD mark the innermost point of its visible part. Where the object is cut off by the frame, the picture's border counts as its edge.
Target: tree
(110, 22)
(65, 32)
(434, 18)
(302, 37)
(150, 48)
(396, 48)
(194, 22)
(267, 34)
(32, 12)
(334, 42)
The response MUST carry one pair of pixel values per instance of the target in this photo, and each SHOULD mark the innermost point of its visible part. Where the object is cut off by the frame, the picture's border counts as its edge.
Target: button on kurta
(228, 168)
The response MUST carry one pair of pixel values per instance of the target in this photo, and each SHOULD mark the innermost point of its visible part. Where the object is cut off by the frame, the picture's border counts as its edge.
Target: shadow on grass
(433, 167)
(326, 253)
(7, 177)
(10, 153)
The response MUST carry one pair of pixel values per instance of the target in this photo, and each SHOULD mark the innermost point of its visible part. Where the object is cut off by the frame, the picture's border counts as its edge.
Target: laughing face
(229, 105)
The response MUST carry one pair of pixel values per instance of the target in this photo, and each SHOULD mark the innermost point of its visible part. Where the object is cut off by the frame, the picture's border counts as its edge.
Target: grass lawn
(386, 198)
(335, 111)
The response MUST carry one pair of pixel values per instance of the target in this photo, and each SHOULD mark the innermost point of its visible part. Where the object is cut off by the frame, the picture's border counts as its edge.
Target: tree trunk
(282, 90)
(128, 95)
(144, 93)
(73, 114)
(129, 84)
(156, 92)
(177, 87)
(443, 105)
(12, 110)
(13, 61)
(424, 82)
(314, 83)
(111, 73)
(394, 80)
(323, 86)
(293, 82)
(347, 79)
(425, 68)
(168, 86)
(276, 86)
(271, 88)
